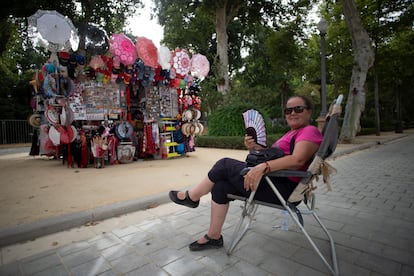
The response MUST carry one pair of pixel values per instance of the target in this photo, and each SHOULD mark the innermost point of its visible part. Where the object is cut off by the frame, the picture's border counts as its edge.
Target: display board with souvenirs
(116, 100)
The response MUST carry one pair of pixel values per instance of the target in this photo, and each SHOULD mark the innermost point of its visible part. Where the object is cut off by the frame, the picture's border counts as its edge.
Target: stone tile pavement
(370, 214)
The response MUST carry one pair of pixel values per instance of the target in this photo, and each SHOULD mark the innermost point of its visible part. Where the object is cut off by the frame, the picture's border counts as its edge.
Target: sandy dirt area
(35, 188)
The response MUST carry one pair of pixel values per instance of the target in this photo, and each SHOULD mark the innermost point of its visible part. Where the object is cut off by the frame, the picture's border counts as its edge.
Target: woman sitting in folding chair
(224, 177)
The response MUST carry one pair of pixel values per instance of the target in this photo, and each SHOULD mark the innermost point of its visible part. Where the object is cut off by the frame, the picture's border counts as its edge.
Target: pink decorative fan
(255, 126)
(147, 51)
(180, 62)
(120, 45)
(199, 66)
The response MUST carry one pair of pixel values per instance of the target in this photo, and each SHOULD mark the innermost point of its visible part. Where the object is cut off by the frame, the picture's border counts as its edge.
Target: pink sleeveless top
(308, 133)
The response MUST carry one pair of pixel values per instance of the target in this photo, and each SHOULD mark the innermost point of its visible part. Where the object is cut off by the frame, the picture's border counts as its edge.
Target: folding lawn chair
(303, 192)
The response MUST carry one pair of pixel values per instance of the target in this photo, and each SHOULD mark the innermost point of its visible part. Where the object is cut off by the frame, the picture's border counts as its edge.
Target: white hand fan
(255, 126)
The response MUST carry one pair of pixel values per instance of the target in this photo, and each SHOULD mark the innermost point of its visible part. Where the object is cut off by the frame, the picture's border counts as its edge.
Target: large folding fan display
(255, 126)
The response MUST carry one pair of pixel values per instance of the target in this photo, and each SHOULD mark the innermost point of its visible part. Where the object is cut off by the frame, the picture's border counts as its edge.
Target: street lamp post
(322, 27)
(398, 124)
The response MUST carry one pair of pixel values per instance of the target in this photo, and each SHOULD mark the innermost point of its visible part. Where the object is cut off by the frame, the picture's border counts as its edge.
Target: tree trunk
(363, 60)
(222, 53)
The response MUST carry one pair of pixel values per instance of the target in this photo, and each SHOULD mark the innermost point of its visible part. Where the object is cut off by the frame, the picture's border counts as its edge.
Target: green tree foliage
(228, 120)
(390, 25)
(284, 55)
(15, 95)
(339, 58)
(228, 24)
(111, 15)
(257, 83)
(260, 97)
(395, 73)
(211, 98)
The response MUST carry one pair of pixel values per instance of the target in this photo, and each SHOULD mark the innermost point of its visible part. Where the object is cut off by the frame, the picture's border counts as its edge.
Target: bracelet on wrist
(267, 169)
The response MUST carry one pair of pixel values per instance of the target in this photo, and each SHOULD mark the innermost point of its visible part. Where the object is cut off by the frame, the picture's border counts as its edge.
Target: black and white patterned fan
(255, 126)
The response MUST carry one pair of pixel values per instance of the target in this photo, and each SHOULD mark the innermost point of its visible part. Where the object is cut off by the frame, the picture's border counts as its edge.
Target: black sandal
(210, 244)
(186, 201)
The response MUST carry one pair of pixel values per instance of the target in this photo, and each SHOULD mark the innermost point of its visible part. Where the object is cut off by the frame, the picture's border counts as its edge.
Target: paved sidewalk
(369, 213)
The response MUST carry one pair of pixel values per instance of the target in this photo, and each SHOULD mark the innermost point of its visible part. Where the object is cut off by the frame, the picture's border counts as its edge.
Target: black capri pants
(225, 175)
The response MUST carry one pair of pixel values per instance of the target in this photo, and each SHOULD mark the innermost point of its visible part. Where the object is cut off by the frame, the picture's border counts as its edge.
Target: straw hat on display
(35, 120)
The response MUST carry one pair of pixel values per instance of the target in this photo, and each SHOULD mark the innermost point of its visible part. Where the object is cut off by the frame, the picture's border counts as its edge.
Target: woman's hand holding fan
(255, 126)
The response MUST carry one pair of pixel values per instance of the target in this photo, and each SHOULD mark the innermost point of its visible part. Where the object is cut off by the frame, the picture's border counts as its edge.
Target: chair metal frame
(249, 210)
(250, 207)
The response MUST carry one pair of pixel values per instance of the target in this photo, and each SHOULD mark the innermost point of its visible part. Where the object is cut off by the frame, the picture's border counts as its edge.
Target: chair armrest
(282, 173)
(290, 173)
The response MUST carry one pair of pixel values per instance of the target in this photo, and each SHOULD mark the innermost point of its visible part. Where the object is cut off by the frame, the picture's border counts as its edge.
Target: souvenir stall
(117, 100)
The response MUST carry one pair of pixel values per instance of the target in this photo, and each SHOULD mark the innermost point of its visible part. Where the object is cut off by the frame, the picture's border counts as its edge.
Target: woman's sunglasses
(297, 109)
